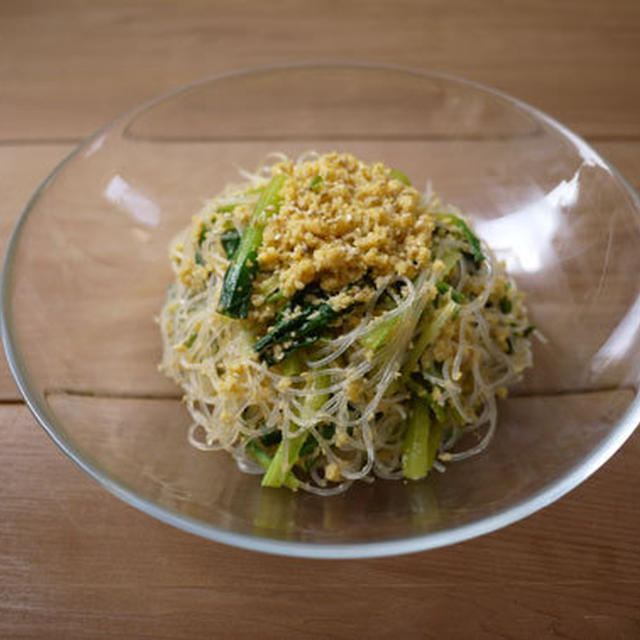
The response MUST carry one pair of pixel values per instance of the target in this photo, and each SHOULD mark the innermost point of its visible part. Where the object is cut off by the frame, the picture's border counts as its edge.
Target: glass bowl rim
(536, 501)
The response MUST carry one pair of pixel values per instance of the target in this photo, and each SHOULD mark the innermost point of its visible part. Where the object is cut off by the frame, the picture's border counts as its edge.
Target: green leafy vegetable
(529, 330)
(471, 238)
(398, 175)
(230, 240)
(227, 208)
(316, 183)
(271, 438)
(443, 287)
(309, 446)
(204, 230)
(298, 327)
(505, 305)
(188, 343)
(326, 431)
(310, 462)
(509, 346)
(238, 280)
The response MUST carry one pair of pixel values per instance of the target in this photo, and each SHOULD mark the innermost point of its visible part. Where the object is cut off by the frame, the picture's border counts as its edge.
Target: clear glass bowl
(87, 269)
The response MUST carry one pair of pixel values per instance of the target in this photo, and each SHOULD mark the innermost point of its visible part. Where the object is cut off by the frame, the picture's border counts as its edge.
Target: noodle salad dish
(329, 323)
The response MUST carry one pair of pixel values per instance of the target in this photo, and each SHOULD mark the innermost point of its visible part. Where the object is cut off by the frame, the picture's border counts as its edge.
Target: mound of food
(329, 323)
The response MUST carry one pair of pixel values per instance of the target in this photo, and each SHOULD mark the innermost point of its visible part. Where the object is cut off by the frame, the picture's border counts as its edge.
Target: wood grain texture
(77, 563)
(22, 169)
(575, 59)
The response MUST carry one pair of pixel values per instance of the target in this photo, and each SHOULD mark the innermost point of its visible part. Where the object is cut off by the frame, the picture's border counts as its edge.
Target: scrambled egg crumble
(339, 219)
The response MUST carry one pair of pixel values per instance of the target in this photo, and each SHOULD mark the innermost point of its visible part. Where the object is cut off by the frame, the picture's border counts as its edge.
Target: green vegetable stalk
(382, 327)
(428, 334)
(415, 455)
(379, 332)
(266, 461)
(421, 441)
(278, 472)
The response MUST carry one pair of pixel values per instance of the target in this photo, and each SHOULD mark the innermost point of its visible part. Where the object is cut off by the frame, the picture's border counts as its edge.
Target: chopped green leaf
(443, 287)
(271, 438)
(505, 305)
(529, 330)
(309, 445)
(316, 183)
(398, 175)
(204, 230)
(237, 287)
(310, 462)
(509, 346)
(198, 258)
(471, 238)
(238, 279)
(188, 343)
(227, 208)
(327, 431)
(258, 454)
(294, 330)
(230, 240)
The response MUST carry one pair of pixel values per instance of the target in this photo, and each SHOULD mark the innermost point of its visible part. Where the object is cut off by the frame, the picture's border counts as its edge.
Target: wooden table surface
(75, 562)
